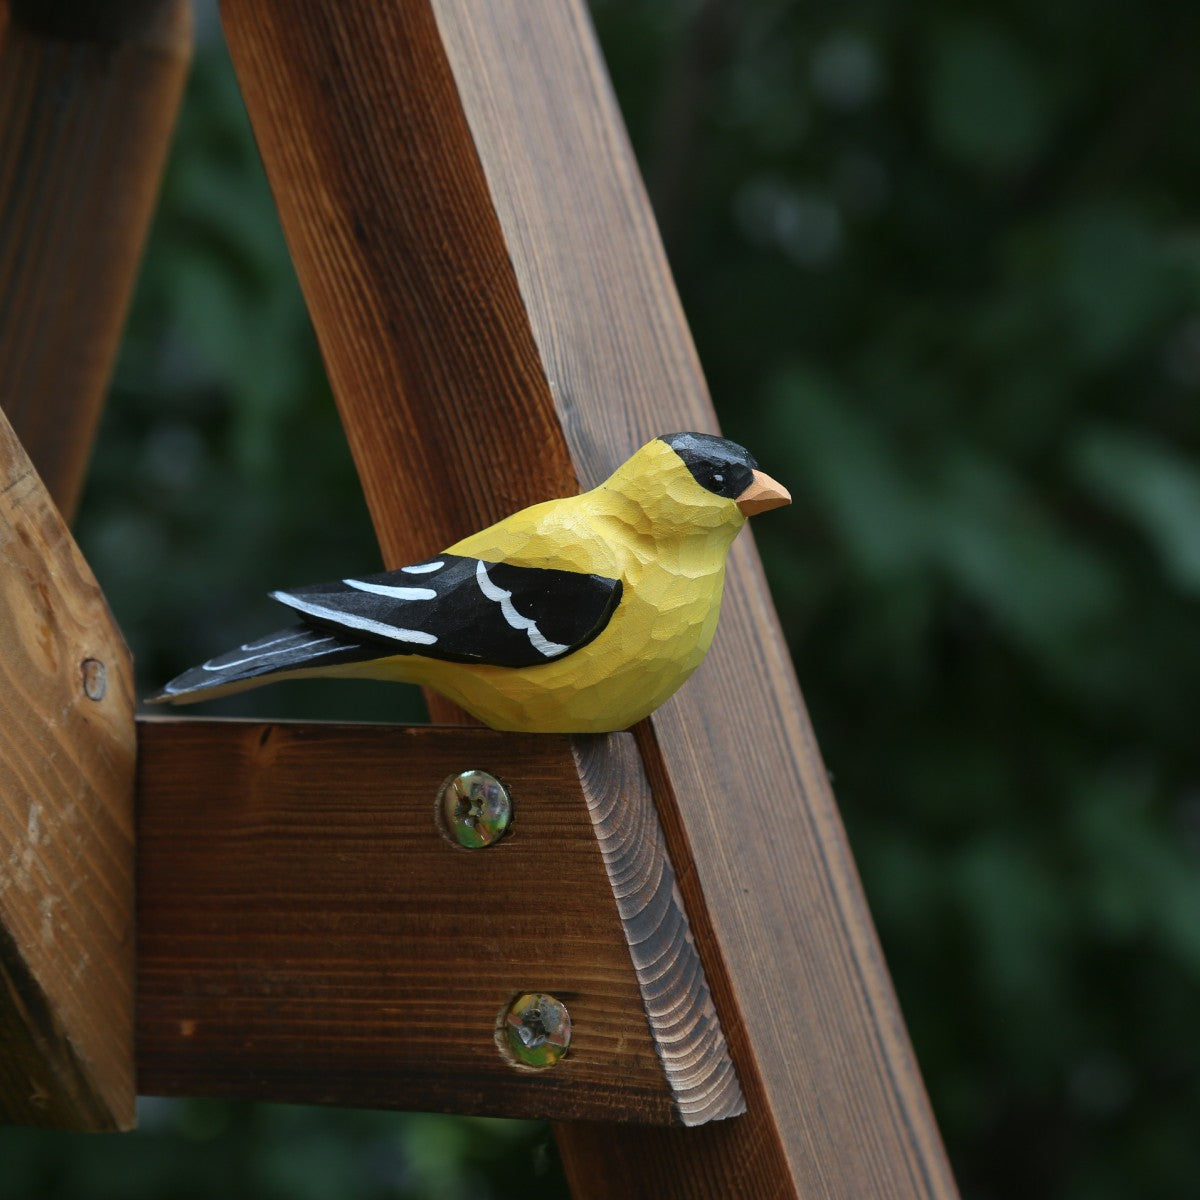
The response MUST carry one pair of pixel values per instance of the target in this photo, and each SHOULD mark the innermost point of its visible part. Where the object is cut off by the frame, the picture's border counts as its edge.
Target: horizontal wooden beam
(67, 749)
(307, 932)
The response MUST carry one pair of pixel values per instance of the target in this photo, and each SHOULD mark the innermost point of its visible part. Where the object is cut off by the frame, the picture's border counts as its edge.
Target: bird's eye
(723, 467)
(723, 479)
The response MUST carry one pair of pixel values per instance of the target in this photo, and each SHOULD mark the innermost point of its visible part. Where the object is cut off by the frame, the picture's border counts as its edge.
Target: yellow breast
(666, 539)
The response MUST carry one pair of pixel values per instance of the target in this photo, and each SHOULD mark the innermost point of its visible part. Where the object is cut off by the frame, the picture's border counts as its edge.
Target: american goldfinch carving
(580, 615)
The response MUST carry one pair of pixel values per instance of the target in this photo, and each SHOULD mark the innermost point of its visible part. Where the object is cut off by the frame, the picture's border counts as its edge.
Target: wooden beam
(393, 233)
(399, 250)
(498, 319)
(308, 933)
(66, 824)
(88, 97)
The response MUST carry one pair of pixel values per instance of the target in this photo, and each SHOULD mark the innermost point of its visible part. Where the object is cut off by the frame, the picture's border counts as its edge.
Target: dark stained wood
(392, 232)
(307, 933)
(403, 265)
(106, 22)
(84, 130)
(498, 318)
(66, 824)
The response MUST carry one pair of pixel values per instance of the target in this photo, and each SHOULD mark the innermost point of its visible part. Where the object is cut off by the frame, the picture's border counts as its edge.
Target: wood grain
(84, 130)
(394, 235)
(66, 825)
(836, 1103)
(392, 232)
(683, 1021)
(513, 325)
(308, 934)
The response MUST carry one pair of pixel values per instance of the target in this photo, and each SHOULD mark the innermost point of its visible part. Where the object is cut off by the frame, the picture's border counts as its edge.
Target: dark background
(942, 263)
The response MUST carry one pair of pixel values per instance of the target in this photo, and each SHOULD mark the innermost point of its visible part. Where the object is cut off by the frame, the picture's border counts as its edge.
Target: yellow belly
(659, 634)
(636, 663)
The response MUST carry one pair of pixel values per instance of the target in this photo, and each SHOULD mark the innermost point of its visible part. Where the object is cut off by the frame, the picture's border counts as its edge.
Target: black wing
(465, 610)
(301, 648)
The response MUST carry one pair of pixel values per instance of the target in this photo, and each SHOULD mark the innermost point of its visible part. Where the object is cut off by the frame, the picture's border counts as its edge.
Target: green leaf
(1010, 896)
(1115, 279)
(996, 541)
(988, 107)
(1152, 486)
(851, 473)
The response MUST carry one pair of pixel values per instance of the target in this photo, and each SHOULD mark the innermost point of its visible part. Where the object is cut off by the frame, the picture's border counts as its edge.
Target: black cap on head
(716, 463)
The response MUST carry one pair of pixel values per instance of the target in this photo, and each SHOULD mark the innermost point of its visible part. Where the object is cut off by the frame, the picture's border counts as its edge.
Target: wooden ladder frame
(499, 325)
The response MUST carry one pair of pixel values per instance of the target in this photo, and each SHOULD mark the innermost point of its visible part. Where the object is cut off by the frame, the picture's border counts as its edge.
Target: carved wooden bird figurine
(579, 615)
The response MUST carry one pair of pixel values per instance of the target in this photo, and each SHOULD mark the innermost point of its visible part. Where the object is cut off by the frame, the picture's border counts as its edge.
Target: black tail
(284, 652)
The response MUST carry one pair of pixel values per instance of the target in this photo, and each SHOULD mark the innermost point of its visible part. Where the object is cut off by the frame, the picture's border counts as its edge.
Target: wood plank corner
(308, 934)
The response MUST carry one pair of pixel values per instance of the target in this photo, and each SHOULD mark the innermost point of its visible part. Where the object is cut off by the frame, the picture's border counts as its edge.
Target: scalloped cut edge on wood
(683, 1021)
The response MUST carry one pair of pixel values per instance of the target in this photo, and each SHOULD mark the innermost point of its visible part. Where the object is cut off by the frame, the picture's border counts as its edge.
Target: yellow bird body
(578, 615)
(651, 526)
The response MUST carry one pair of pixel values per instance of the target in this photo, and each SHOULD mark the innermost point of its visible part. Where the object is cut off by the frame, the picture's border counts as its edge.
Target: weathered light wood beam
(67, 748)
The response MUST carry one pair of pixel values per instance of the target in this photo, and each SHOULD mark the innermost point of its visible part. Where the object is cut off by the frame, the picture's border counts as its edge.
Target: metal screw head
(537, 1029)
(95, 678)
(475, 808)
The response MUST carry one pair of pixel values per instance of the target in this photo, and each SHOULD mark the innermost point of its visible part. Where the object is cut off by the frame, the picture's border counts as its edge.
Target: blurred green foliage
(942, 263)
(205, 1149)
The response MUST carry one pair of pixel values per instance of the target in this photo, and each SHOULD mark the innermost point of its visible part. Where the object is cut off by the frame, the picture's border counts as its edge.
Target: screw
(537, 1028)
(475, 808)
(95, 678)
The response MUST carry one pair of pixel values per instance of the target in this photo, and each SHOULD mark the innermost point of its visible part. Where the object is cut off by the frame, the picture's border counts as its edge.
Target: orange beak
(762, 495)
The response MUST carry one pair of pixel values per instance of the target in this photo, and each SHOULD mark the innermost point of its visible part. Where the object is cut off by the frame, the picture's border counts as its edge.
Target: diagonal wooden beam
(66, 824)
(88, 98)
(498, 320)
